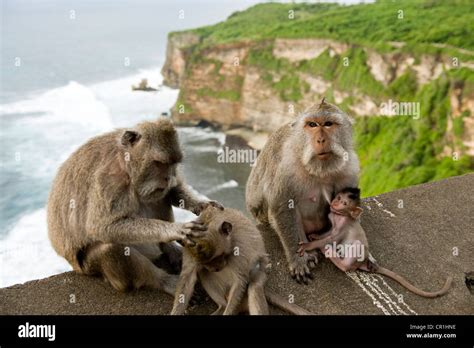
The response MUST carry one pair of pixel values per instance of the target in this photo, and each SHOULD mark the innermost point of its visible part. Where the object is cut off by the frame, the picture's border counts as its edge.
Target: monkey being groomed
(346, 244)
(230, 262)
(110, 207)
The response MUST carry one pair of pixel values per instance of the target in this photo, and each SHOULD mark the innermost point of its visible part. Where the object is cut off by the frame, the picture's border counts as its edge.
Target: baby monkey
(346, 244)
(230, 261)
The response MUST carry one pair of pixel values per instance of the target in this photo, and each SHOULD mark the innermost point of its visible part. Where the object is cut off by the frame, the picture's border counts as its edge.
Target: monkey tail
(386, 272)
(280, 302)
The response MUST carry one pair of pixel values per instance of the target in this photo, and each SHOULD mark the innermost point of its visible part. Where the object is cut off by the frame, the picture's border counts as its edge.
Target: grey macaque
(110, 207)
(295, 176)
(347, 247)
(230, 262)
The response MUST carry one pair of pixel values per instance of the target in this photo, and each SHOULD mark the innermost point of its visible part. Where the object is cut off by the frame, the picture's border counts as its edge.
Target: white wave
(195, 134)
(26, 253)
(226, 185)
(207, 148)
(73, 103)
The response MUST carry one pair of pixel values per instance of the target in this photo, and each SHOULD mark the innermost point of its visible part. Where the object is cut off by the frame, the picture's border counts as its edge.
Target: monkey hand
(189, 230)
(302, 248)
(315, 236)
(301, 265)
(204, 204)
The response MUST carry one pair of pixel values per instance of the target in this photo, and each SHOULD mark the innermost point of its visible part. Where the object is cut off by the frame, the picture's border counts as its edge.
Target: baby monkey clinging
(346, 244)
(230, 261)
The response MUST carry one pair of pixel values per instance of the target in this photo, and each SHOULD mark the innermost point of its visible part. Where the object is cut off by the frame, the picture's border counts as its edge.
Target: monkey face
(319, 130)
(341, 202)
(153, 153)
(327, 135)
(346, 204)
(205, 253)
(157, 179)
(213, 250)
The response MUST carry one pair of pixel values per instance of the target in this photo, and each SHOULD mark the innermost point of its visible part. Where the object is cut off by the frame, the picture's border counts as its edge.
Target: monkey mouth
(335, 211)
(324, 155)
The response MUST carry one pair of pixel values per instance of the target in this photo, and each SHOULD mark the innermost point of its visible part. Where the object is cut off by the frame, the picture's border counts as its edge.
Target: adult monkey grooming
(110, 206)
(296, 175)
(348, 235)
(230, 261)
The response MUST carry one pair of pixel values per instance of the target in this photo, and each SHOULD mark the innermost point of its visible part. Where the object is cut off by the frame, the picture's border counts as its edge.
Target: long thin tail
(412, 288)
(280, 302)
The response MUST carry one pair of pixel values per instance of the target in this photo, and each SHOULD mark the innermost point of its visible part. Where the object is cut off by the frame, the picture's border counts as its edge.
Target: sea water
(64, 79)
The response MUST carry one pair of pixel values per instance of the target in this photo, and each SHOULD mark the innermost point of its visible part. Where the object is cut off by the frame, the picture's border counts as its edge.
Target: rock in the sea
(143, 86)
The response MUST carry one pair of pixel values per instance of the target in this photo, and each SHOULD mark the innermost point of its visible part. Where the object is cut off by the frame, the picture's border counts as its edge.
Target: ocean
(66, 73)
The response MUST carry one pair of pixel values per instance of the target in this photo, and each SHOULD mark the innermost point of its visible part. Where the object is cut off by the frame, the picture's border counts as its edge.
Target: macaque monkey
(295, 176)
(110, 207)
(230, 262)
(347, 247)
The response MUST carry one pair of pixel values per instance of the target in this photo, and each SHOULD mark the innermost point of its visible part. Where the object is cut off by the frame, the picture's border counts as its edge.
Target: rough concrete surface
(426, 240)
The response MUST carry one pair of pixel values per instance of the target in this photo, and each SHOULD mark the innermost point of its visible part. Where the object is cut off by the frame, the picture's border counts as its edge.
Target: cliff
(264, 65)
(425, 239)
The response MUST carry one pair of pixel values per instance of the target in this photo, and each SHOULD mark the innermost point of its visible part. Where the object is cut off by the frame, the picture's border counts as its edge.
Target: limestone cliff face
(222, 84)
(175, 65)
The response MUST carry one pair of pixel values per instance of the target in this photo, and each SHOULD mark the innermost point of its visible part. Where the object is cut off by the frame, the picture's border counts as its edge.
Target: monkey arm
(287, 228)
(315, 244)
(142, 230)
(182, 197)
(185, 287)
(236, 295)
(284, 221)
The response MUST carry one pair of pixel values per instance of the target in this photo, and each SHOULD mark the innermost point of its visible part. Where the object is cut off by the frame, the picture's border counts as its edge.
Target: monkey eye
(328, 124)
(345, 203)
(312, 124)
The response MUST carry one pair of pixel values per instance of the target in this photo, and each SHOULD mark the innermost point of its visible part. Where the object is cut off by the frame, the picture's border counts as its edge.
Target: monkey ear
(129, 138)
(226, 228)
(355, 213)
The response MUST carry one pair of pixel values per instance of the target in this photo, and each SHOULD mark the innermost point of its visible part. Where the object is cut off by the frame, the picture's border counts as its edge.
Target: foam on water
(226, 185)
(47, 128)
(27, 254)
(73, 103)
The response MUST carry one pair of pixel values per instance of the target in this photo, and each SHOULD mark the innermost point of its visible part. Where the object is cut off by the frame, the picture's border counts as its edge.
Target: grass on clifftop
(424, 22)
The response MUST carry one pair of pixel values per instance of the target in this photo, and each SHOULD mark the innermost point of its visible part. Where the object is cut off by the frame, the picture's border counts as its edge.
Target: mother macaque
(296, 175)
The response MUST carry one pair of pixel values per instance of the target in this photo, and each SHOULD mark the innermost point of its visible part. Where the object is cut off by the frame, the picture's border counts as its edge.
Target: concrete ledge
(417, 241)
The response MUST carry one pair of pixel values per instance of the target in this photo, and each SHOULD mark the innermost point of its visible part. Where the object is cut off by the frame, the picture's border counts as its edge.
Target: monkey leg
(343, 263)
(125, 268)
(257, 301)
(285, 223)
(219, 311)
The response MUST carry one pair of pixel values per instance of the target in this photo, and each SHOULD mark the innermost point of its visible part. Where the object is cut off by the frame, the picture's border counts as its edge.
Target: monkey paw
(300, 266)
(204, 204)
(189, 230)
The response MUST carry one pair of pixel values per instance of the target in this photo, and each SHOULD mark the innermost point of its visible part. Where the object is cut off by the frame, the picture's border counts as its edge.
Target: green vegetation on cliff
(443, 22)
(400, 151)
(397, 151)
